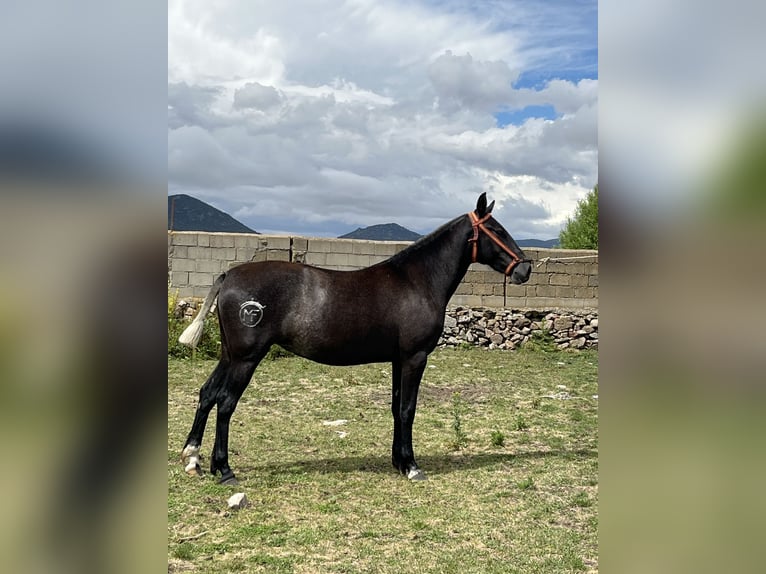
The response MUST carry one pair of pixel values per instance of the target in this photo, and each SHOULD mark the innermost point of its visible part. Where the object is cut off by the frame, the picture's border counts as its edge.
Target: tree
(581, 231)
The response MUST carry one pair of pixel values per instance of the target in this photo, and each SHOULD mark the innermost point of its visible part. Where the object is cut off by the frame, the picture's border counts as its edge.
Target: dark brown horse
(389, 312)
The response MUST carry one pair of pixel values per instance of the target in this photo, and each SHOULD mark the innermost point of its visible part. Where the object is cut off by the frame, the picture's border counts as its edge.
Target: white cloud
(355, 113)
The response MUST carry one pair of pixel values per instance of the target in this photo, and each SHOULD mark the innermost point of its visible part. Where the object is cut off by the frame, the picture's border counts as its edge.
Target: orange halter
(478, 224)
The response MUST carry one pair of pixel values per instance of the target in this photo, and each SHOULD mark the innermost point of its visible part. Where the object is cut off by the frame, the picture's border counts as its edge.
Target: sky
(318, 117)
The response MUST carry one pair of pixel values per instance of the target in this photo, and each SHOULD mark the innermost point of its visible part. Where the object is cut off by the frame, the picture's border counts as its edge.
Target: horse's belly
(342, 350)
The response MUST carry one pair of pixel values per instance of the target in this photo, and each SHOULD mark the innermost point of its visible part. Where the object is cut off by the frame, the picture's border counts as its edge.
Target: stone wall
(507, 329)
(195, 259)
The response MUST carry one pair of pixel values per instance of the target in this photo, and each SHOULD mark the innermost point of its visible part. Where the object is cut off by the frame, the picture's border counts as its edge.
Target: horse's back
(336, 317)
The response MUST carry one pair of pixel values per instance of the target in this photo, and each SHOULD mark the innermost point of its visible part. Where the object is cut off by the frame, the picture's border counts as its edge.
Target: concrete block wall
(196, 258)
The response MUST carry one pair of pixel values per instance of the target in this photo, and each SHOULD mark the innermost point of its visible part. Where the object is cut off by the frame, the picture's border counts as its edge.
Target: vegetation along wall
(569, 282)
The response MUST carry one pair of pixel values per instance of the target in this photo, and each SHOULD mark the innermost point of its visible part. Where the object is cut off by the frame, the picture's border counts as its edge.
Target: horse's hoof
(229, 479)
(416, 474)
(193, 469)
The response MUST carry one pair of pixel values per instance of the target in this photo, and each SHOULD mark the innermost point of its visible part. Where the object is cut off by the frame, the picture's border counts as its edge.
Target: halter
(478, 224)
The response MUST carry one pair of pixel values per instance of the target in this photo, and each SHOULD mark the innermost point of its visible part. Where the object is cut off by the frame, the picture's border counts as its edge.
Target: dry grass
(320, 502)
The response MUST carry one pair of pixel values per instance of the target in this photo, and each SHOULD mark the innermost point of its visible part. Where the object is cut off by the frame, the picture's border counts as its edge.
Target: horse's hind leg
(207, 398)
(237, 379)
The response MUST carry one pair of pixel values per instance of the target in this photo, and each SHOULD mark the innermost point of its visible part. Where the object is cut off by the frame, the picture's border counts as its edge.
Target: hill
(383, 232)
(545, 243)
(186, 213)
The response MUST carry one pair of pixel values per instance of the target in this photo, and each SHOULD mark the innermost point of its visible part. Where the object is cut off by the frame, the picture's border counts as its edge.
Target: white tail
(193, 333)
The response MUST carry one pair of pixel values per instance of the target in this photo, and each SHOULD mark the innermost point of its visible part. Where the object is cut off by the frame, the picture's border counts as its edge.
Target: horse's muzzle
(521, 272)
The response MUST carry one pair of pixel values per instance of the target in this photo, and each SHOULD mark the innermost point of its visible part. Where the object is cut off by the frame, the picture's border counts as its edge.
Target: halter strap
(478, 224)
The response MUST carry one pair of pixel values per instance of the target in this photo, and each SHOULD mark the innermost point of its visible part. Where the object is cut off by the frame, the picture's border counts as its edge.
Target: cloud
(256, 96)
(355, 113)
(462, 81)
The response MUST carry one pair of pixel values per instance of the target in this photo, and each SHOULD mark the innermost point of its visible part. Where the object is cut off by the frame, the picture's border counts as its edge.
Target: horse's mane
(423, 244)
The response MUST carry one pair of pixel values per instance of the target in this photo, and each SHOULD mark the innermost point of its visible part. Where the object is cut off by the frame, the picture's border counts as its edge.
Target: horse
(392, 311)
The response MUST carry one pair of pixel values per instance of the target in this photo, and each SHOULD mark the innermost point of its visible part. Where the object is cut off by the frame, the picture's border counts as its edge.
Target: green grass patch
(325, 501)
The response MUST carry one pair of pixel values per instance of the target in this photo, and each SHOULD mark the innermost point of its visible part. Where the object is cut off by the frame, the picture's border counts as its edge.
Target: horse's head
(492, 245)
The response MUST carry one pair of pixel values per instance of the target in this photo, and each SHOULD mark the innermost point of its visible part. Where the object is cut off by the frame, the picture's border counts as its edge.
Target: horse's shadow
(433, 465)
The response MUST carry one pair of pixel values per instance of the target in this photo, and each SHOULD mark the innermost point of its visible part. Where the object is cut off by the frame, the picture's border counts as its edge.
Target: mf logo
(251, 313)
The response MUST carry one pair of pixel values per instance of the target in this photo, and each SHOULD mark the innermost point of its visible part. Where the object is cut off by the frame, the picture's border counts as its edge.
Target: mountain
(186, 213)
(383, 232)
(545, 243)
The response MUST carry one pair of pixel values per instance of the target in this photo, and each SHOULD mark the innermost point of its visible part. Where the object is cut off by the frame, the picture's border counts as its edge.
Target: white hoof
(192, 454)
(416, 474)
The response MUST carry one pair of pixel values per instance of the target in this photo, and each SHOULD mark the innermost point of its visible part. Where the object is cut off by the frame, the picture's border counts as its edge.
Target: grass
(325, 502)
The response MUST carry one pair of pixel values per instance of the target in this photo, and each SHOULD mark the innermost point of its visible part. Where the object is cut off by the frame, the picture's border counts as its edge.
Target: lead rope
(505, 282)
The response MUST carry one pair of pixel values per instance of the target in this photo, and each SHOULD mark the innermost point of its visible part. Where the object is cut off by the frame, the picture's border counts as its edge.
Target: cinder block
(200, 291)
(245, 253)
(201, 279)
(203, 240)
(555, 267)
(531, 253)
(482, 289)
(537, 278)
(179, 278)
(184, 238)
(359, 261)
(578, 280)
(183, 265)
(277, 255)
(259, 256)
(221, 240)
(592, 280)
(179, 252)
(275, 241)
(543, 291)
(185, 291)
(583, 292)
(510, 290)
(562, 292)
(300, 244)
(323, 245)
(464, 289)
(241, 240)
(387, 248)
(227, 253)
(360, 247)
(473, 276)
(376, 259)
(559, 279)
(592, 269)
(466, 300)
(208, 266)
(316, 259)
(337, 259)
(259, 242)
(197, 253)
(576, 269)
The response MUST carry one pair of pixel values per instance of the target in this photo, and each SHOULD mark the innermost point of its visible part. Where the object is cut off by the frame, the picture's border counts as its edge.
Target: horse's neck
(441, 263)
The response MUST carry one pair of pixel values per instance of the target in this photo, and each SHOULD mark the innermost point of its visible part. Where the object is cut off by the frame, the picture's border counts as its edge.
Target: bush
(581, 231)
(210, 344)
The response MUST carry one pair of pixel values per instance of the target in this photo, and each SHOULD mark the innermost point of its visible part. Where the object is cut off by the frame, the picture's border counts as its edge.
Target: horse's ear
(490, 206)
(481, 205)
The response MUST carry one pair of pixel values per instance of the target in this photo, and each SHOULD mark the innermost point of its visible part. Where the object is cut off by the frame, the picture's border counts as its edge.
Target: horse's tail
(193, 333)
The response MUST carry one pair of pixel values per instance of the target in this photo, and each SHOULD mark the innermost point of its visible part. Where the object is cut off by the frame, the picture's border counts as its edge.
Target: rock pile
(509, 329)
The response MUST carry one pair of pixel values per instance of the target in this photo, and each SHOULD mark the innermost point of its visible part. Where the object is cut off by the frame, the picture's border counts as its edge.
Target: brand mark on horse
(251, 313)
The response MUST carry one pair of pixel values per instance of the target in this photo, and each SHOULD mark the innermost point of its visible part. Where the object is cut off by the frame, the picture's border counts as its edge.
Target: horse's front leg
(411, 372)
